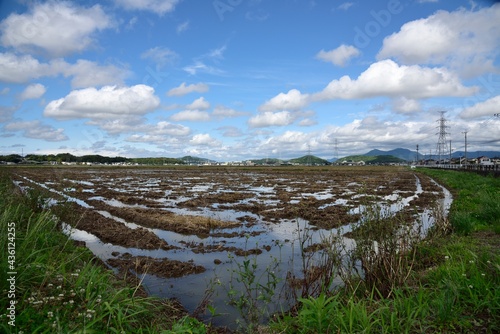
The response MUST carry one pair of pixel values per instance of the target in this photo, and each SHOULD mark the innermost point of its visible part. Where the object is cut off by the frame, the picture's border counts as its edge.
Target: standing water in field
(192, 234)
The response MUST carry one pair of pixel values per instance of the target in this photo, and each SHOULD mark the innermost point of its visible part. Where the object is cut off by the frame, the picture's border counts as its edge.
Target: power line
(465, 133)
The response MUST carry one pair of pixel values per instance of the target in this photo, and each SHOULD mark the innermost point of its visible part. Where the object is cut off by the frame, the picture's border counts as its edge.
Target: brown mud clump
(110, 231)
(163, 267)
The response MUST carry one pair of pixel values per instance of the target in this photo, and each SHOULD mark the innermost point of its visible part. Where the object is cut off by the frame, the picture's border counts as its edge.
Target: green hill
(379, 159)
(195, 160)
(267, 161)
(309, 160)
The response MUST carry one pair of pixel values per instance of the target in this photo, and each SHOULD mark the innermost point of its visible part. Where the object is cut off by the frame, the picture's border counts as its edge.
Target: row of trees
(93, 158)
(59, 158)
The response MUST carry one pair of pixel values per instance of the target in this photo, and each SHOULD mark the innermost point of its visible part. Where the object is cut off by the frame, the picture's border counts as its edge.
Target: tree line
(92, 158)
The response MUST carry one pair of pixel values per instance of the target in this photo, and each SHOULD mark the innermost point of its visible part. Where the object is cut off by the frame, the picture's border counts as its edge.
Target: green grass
(476, 200)
(62, 288)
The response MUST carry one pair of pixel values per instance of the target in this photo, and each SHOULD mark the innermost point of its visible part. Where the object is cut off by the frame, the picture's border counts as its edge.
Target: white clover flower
(470, 286)
(446, 257)
(50, 314)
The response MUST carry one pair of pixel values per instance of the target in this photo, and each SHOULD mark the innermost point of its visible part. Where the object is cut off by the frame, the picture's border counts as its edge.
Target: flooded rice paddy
(183, 229)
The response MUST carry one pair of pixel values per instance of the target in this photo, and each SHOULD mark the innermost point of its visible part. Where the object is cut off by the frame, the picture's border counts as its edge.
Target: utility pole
(308, 154)
(336, 153)
(465, 132)
(417, 154)
(450, 152)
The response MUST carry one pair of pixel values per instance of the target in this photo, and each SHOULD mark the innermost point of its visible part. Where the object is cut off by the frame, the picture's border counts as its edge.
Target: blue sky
(239, 79)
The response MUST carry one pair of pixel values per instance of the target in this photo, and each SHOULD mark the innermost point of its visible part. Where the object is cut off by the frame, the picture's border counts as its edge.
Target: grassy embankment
(59, 287)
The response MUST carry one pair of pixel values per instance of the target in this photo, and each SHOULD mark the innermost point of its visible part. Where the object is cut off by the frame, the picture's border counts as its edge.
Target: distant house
(484, 161)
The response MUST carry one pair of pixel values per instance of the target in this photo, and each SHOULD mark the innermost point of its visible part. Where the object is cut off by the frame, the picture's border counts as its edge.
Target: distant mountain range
(374, 156)
(410, 155)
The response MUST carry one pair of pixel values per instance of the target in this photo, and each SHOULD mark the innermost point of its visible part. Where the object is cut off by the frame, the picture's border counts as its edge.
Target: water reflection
(279, 241)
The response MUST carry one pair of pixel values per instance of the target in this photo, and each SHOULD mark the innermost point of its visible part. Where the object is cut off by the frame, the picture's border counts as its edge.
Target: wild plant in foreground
(319, 263)
(385, 248)
(252, 290)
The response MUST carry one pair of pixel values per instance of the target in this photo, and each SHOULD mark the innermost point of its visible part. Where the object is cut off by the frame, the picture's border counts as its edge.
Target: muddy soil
(159, 267)
(213, 203)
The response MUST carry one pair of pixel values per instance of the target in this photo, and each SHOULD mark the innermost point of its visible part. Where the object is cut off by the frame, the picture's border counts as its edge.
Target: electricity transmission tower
(442, 145)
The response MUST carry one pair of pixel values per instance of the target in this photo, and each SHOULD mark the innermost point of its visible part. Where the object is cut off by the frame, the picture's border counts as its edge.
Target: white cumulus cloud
(159, 7)
(406, 106)
(105, 103)
(269, 118)
(37, 130)
(183, 89)
(54, 28)
(339, 56)
(86, 73)
(489, 107)
(204, 139)
(443, 38)
(387, 78)
(33, 91)
(141, 130)
(221, 111)
(191, 115)
(20, 69)
(83, 73)
(199, 104)
(293, 100)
